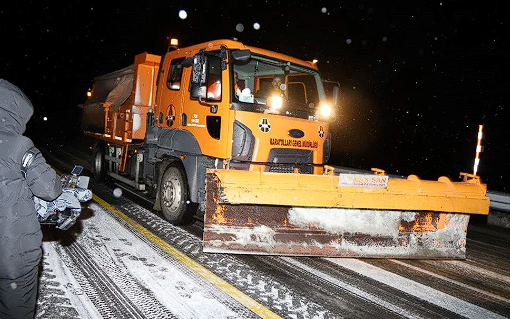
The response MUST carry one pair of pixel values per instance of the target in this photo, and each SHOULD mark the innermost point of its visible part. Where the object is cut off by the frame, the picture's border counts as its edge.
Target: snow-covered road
(140, 266)
(108, 263)
(107, 268)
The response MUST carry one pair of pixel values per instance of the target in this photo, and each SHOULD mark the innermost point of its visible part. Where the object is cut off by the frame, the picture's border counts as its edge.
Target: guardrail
(499, 201)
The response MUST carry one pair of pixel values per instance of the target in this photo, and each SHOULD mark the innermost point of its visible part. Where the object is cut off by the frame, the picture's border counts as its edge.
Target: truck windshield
(268, 85)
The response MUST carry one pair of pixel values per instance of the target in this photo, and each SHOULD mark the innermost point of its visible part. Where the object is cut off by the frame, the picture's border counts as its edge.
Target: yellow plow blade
(300, 214)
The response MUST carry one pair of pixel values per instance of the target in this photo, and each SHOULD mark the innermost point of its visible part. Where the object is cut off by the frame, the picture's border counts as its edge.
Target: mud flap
(353, 231)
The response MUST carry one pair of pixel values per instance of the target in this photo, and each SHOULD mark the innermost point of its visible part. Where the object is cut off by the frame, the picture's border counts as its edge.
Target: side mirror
(204, 80)
(332, 89)
(197, 82)
(241, 55)
(199, 68)
(336, 95)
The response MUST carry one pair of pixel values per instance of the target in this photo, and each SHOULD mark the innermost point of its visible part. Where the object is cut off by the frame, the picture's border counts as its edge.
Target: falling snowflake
(256, 26)
(239, 27)
(183, 14)
(348, 41)
(384, 39)
(117, 192)
(324, 10)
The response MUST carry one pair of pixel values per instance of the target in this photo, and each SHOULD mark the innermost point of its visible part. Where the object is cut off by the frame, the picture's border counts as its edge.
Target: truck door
(169, 105)
(206, 110)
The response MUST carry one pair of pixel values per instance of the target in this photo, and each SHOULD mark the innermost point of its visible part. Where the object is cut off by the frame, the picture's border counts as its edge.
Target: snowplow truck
(243, 133)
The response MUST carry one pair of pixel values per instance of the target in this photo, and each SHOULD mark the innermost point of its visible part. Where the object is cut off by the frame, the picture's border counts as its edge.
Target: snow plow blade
(302, 214)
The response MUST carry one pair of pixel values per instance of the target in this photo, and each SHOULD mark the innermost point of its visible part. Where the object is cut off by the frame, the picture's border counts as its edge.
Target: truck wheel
(174, 196)
(98, 162)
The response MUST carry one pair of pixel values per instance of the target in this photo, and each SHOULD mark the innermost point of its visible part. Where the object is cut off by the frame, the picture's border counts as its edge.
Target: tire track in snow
(369, 293)
(54, 300)
(220, 296)
(353, 290)
(474, 290)
(448, 281)
(153, 286)
(268, 291)
(105, 295)
(469, 270)
(419, 290)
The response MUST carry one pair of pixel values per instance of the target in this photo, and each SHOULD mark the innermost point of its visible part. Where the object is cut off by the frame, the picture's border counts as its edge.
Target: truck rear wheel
(98, 162)
(176, 205)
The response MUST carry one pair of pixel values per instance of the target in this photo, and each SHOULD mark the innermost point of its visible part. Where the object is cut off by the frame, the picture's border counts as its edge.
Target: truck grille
(303, 169)
(284, 160)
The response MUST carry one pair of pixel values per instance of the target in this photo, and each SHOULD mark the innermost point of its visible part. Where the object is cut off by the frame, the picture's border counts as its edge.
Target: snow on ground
(108, 258)
(500, 219)
(433, 296)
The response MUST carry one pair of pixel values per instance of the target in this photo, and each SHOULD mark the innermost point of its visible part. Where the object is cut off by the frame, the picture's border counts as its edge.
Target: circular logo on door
(264, 125)
(321, 131)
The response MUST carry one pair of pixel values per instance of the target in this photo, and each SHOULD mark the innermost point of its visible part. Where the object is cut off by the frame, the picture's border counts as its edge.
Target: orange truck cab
(162, 122)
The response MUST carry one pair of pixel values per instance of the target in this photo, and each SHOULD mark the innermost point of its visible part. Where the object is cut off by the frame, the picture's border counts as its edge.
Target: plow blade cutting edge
(301, 214)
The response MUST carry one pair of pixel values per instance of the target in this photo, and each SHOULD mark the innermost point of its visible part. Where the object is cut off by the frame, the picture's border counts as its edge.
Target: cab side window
(213, 78)
(174, 75)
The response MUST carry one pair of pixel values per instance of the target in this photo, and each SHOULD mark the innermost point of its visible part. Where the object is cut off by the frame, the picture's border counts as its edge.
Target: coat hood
(15, 108)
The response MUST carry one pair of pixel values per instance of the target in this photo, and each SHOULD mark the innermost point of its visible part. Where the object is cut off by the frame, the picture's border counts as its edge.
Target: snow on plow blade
(301, 214)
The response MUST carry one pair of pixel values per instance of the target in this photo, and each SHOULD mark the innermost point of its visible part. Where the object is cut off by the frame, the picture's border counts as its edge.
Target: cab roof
(231, 44)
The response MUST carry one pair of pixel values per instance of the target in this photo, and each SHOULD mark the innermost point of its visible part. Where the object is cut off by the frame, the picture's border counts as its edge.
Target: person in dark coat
(23, 174)
(273, 89)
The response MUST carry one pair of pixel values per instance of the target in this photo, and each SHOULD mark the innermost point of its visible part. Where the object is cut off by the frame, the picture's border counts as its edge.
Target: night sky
(417, 77)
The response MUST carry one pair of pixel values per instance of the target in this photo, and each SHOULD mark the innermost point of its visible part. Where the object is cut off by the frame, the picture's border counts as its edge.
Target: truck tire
(174, 197)
(98, 162)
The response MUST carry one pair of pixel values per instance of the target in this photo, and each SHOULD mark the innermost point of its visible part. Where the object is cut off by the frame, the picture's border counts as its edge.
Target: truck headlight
(275, 102)
(325, 110)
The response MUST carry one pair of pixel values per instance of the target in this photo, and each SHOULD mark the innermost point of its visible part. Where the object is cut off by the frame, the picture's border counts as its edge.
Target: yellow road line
(190, 263)
(232, 291)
